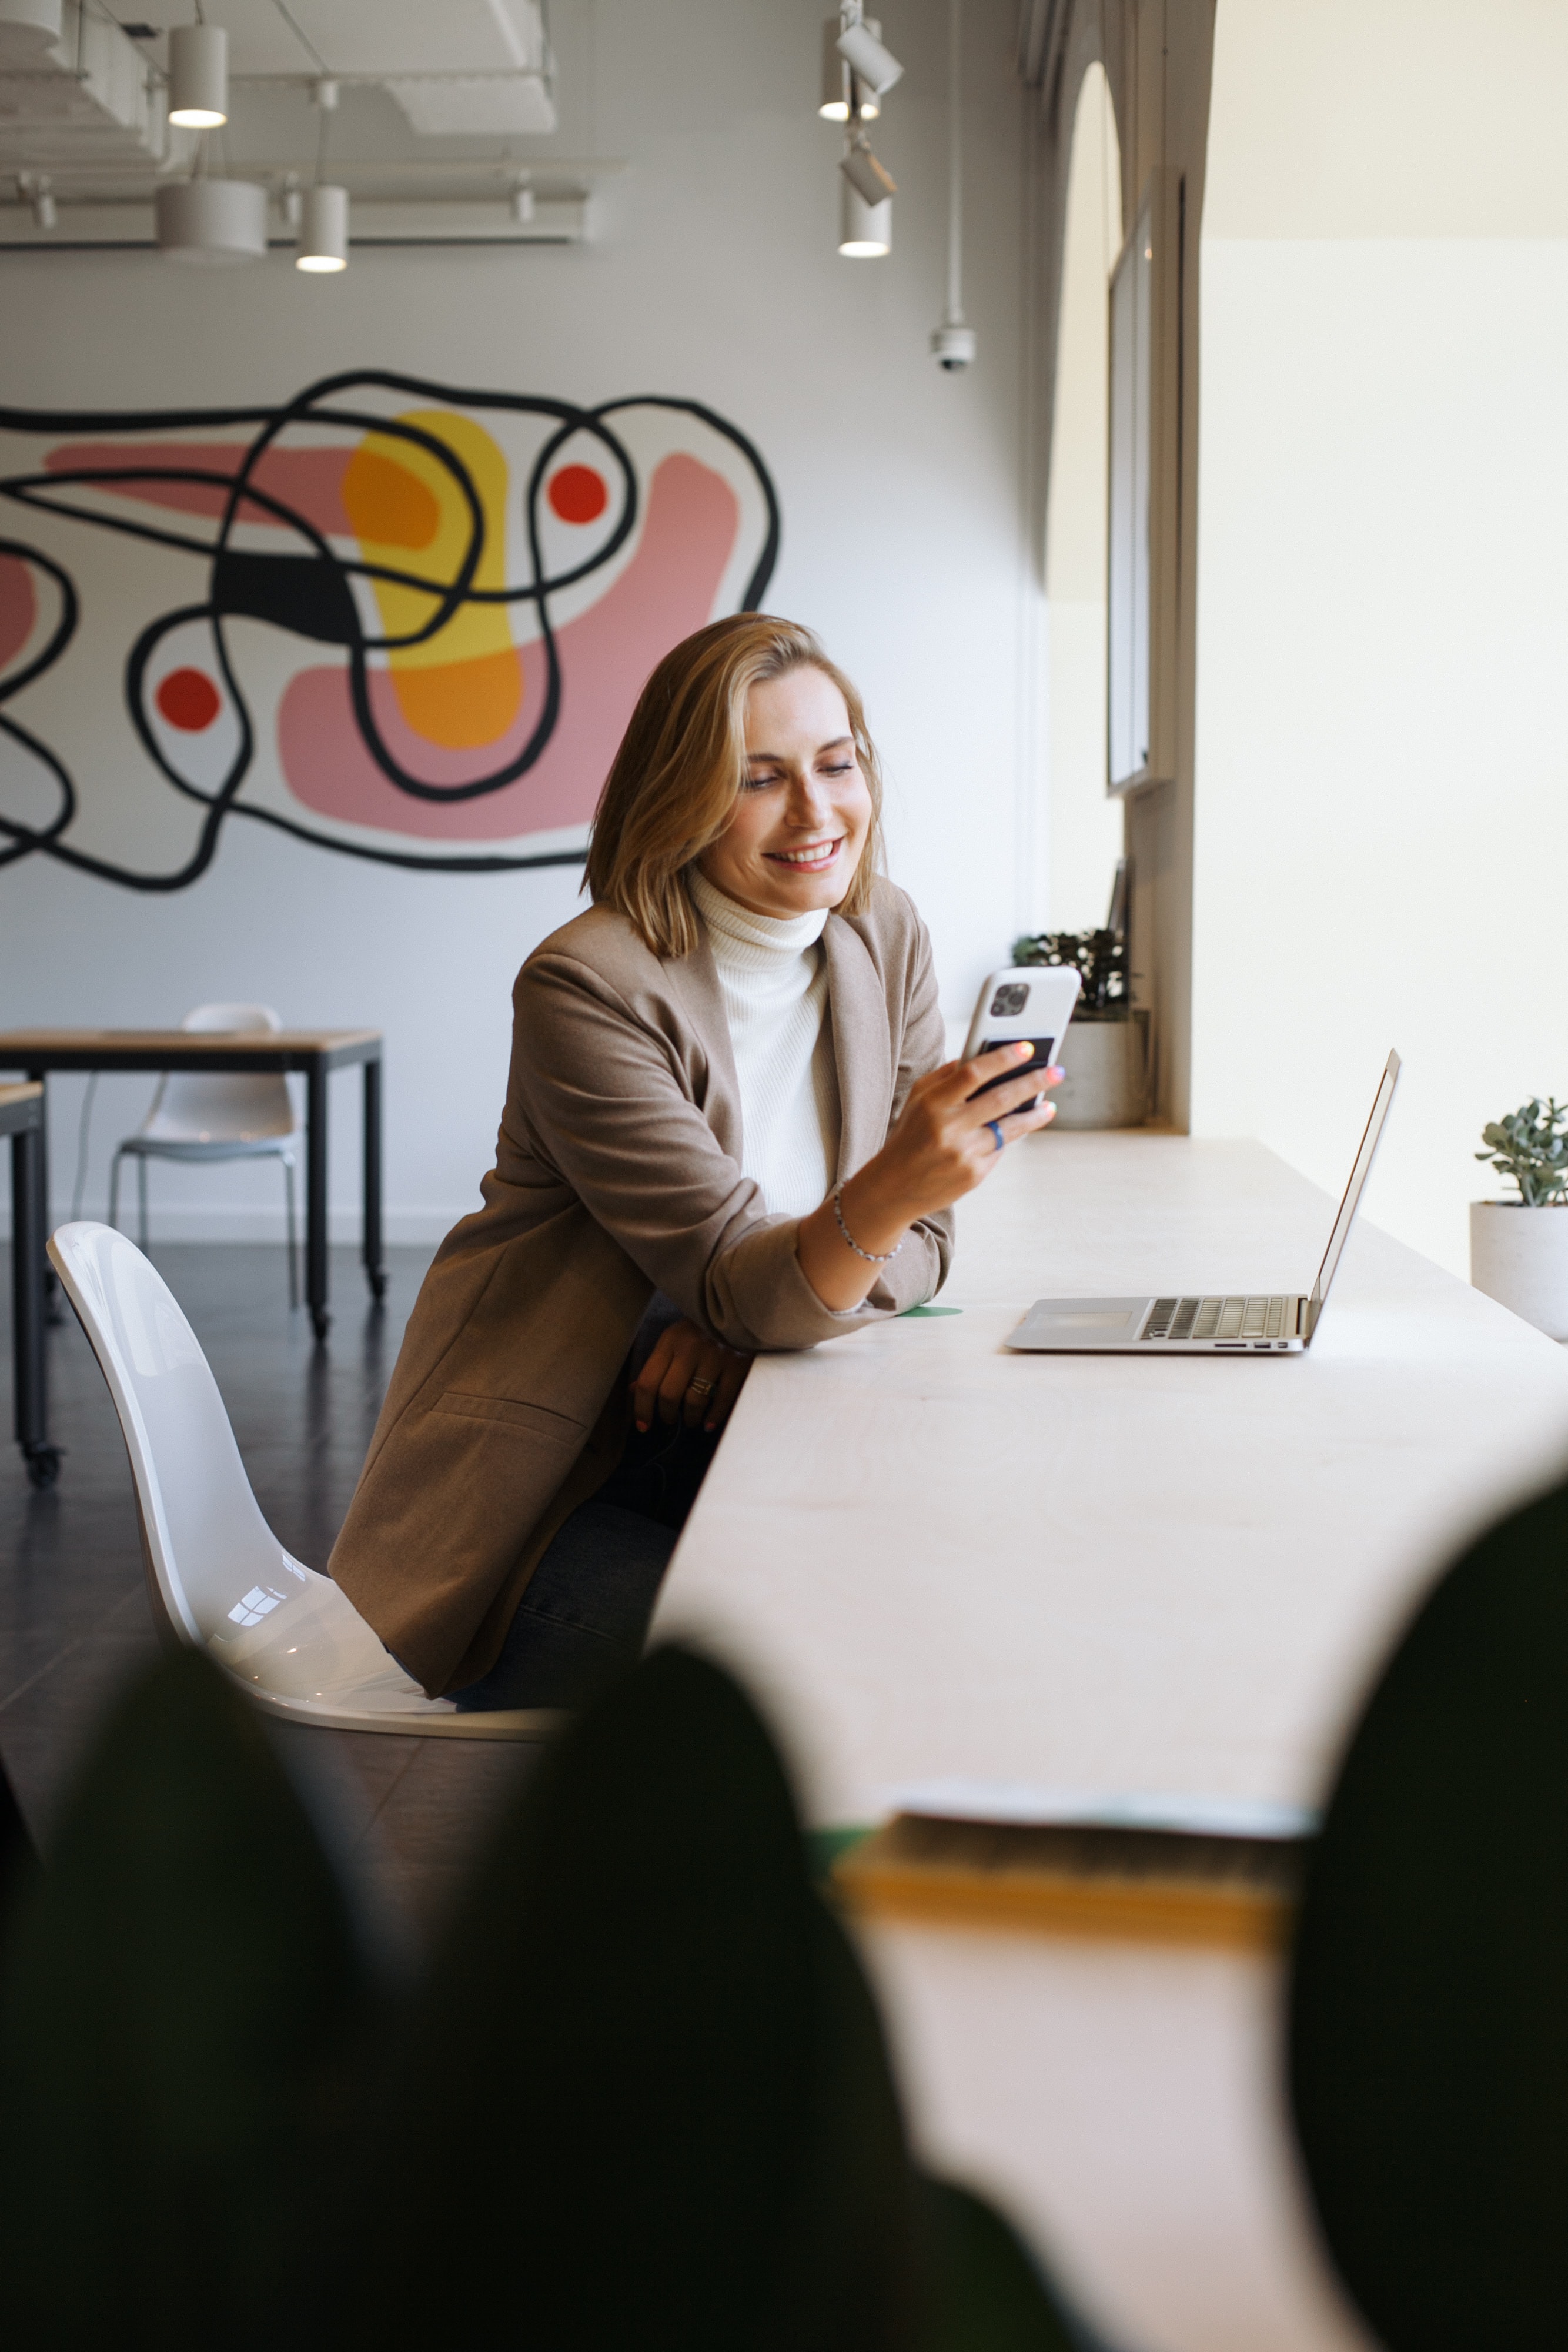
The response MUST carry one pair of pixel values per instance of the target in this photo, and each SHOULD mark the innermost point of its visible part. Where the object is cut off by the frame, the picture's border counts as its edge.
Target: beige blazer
(617, 1172)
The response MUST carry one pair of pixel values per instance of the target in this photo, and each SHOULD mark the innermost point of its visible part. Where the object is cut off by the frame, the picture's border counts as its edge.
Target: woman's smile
(813, 854)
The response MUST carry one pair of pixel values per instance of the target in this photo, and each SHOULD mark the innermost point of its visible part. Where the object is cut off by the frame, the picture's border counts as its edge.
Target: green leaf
(177, 1994)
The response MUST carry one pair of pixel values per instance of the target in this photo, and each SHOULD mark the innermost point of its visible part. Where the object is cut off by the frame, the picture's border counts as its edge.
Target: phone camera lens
(1010, 999)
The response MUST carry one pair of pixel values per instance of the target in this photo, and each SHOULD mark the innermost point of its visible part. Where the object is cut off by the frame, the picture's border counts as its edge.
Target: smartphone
(1033, 1001)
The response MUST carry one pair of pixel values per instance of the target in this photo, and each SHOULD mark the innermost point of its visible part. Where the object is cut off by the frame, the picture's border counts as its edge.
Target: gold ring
(700, 1388)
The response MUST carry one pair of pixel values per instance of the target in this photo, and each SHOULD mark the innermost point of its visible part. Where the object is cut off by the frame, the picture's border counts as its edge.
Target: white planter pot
(1520, 1256)
(1107, 1067)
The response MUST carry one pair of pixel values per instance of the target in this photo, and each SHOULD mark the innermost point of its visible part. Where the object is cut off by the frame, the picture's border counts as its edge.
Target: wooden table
(22, 1119)
(939, 1562)
(315, 1052)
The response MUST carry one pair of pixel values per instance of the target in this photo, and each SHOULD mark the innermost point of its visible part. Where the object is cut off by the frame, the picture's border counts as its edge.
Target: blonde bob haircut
(681, 769)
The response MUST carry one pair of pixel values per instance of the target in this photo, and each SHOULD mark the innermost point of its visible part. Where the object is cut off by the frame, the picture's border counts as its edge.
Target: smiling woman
(728, 1128)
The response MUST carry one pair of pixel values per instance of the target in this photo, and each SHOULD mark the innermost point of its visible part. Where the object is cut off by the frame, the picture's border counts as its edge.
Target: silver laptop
(1207, 1325)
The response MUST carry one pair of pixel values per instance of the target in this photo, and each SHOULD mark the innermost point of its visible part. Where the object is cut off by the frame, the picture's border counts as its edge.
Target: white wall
(713, 276)
(1382, 760)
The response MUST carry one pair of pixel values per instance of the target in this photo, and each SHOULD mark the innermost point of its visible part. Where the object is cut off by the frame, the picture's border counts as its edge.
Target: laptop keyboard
(1221, 1319)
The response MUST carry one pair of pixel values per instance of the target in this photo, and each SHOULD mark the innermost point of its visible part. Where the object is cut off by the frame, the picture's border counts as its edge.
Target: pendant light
(865, 231)
(324, 211)
(212, 222)
(323, 231)
(953, 343)
(27, 29)
(199, 77)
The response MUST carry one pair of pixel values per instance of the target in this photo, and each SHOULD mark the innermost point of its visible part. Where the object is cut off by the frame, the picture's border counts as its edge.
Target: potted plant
(1106, 1051)
(1519, 1249)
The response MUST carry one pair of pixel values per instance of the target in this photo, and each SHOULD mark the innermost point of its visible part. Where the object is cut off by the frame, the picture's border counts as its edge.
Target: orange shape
(188, 699)
(578, 494)
(386, 503)
(462, 704)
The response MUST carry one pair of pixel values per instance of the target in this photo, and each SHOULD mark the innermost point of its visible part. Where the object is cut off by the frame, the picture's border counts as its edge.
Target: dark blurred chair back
(1428, 2030)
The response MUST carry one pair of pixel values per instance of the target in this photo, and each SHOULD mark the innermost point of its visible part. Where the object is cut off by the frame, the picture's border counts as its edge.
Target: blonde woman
(729, 1128)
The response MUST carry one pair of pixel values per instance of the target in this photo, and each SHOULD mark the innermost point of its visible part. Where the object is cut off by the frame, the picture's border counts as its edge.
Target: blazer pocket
(556, 1428)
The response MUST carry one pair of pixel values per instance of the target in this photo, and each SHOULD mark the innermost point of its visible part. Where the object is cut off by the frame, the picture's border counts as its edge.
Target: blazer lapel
(693, 985)
(863, 1046)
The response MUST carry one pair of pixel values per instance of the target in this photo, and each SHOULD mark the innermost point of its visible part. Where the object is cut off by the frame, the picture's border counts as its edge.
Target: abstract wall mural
(392, 618)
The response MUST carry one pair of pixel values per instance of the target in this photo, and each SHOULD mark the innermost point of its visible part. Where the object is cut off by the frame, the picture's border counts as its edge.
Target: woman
(726, 1130)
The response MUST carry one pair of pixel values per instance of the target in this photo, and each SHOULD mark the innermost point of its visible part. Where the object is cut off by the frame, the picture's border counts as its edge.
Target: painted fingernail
(1023, 1046)
(1056, 1071)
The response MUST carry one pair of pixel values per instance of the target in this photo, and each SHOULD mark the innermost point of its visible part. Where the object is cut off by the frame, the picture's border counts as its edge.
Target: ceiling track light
(523, 203)
(323, 231)
(35, 189)
(199, 77)
(845, 97)
(875, 63)
(870, 180)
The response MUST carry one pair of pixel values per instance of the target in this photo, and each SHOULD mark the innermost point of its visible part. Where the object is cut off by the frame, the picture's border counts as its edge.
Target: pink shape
(18, 606)
(308, 481)
(606, 653)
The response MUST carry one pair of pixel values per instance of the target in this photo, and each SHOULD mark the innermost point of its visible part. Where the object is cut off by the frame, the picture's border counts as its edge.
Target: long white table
(939, 1562)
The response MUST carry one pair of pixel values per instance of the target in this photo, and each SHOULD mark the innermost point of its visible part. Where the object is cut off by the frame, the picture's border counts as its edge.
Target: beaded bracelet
(872, 1257)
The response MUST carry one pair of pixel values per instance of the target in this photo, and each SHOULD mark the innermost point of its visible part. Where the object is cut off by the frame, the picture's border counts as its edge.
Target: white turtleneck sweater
(773, 977)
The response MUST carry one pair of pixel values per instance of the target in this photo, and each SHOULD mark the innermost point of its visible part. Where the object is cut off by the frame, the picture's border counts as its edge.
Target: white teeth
(821, 853)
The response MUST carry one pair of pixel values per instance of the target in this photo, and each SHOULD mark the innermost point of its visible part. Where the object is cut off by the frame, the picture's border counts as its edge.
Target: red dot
(578, 494)
(188, 698)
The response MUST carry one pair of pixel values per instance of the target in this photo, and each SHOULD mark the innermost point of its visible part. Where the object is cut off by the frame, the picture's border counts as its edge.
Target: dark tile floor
(74, 1619)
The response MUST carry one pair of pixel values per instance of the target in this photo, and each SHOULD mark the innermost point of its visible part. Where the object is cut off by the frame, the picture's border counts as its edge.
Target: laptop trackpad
(1080, 1323)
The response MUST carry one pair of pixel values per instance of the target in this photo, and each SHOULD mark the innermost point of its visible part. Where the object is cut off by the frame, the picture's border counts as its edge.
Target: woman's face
(803, 818)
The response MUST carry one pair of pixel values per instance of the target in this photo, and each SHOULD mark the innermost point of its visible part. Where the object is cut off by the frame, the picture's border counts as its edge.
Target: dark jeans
(585, 1614)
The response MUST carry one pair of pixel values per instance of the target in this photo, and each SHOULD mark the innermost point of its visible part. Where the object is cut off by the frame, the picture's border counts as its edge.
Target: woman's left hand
(688, 1378)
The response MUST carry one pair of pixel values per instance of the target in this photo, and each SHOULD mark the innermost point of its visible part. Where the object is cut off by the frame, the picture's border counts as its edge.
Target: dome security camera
(952, 348)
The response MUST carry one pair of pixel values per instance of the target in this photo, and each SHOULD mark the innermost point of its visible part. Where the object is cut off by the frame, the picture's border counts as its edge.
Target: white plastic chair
(217, 1115)
(217, 1577)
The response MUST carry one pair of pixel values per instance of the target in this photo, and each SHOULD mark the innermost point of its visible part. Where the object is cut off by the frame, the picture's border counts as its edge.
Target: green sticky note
(910, 1311)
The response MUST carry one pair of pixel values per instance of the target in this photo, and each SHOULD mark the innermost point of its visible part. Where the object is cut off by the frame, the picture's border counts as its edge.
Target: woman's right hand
(944, 1144)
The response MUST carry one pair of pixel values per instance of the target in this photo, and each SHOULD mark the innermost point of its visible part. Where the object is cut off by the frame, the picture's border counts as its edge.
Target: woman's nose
(809, 801)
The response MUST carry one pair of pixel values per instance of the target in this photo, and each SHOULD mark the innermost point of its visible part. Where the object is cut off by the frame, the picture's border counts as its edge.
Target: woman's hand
(670, 1384)
(947, 1141)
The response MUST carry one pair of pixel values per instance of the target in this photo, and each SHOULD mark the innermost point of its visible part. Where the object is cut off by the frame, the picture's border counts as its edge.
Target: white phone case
(1033, 1001)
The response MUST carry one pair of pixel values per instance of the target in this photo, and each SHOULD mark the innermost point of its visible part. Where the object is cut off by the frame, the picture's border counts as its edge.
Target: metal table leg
(375, 1274)
(316, 1197)
(28, 1223)
(53, 1313)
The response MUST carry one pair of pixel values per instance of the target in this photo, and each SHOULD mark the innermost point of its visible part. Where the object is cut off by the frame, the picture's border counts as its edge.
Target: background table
(315, 1052)
(22, 1119)
(938, 1561)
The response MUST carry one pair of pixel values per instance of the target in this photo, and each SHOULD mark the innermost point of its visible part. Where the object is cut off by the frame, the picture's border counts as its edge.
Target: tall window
(1084, 827)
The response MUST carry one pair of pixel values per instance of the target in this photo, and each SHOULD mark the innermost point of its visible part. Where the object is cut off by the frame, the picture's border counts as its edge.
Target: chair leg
(293, 1255)
(114, 1166)
(142, 1242)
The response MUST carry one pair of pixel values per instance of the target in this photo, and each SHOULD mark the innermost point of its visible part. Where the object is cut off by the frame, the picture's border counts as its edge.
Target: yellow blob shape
(462, 685)
(460, 705)
(387, 504)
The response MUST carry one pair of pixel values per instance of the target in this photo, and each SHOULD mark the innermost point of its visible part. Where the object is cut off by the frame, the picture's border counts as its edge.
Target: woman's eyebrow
(781, 758)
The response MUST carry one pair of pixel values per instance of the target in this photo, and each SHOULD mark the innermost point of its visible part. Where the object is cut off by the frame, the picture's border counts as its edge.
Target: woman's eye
(759, 784)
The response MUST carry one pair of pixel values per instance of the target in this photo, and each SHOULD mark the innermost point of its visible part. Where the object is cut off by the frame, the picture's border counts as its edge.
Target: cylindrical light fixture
(837, 95)
(873, 61)
(522, 203)
(199, 76)
(45, 214)
(865, 231)
(323, 231)
(212, 221)
(28, 27)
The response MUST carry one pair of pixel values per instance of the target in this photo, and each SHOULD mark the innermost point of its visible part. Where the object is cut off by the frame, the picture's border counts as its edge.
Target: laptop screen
(1358, 1176)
